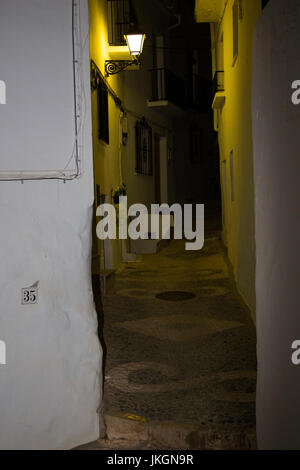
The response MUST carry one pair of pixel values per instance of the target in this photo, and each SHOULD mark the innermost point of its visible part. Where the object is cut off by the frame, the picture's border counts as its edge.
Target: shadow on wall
(100, 316)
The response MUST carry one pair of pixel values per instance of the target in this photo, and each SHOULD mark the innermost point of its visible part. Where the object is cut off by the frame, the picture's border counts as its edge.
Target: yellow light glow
(135, 43)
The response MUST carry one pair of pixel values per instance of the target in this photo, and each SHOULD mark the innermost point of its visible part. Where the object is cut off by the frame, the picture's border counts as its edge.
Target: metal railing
(166, 86)
(218, 82)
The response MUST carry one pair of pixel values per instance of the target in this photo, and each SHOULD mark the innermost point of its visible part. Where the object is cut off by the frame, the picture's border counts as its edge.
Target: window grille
(218, 82)
(144, 164)
(119, 18)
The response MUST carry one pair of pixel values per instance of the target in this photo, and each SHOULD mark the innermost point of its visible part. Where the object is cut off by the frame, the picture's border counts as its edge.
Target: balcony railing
(166, 86)
(218, 82)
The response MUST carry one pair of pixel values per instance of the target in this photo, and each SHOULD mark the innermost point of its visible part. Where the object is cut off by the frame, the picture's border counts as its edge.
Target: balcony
(168, 92)
(218, 90)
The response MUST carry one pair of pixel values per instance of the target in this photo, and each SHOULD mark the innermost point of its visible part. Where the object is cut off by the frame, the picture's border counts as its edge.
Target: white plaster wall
(50, 386)
(31, 64)
(276, 140)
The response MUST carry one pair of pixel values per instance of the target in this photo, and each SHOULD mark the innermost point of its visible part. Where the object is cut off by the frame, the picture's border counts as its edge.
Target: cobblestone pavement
(190, 361)
(120, 444)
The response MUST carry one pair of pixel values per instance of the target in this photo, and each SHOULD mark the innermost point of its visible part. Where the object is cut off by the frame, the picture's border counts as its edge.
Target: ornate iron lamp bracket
(112, 67)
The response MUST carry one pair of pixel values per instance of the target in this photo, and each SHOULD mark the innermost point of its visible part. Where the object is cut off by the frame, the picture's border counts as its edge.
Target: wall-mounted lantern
(135, 42)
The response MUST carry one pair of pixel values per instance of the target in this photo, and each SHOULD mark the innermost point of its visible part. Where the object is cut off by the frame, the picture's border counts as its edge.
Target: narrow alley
(181, 359)
(132, 131)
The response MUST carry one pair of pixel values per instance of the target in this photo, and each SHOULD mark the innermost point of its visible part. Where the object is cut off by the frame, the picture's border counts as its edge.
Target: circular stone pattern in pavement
(152, 377)
(148, 376)
(175, 296)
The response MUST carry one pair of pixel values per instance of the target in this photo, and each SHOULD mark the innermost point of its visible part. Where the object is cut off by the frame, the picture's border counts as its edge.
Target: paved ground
(121, 444)
(188, 361)
(179, 373)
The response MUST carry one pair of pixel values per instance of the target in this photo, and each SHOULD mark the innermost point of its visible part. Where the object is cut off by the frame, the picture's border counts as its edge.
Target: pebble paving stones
(185, 357)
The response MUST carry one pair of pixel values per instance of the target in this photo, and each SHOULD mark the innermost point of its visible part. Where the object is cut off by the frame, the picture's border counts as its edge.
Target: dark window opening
(103, 121)
(143, 148)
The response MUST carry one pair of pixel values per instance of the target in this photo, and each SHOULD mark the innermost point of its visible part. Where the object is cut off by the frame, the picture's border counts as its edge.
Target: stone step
(178, 436)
